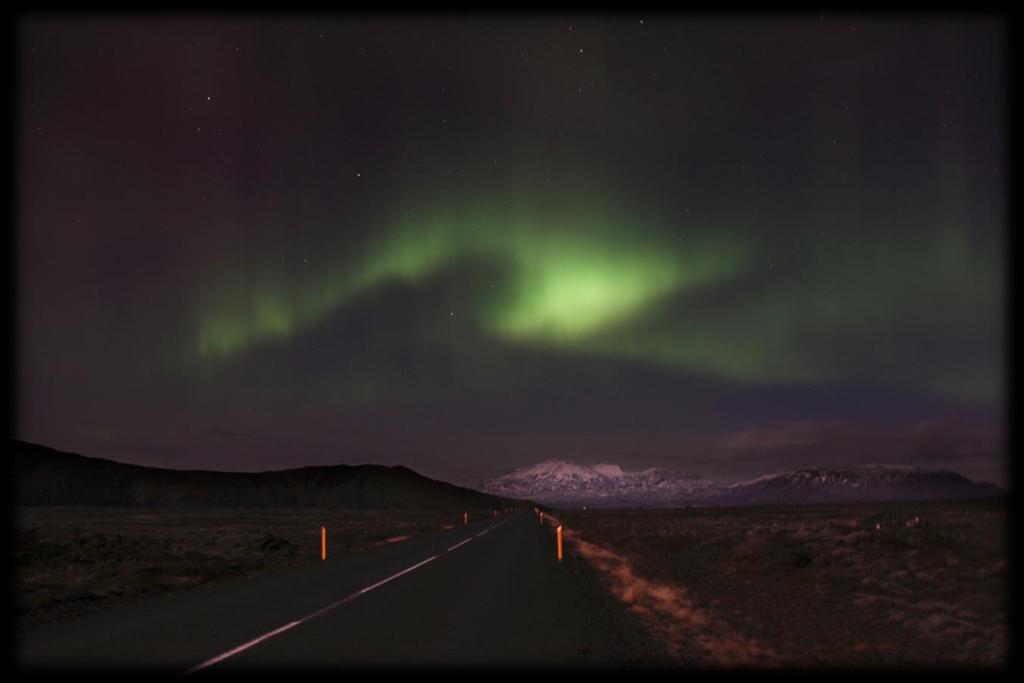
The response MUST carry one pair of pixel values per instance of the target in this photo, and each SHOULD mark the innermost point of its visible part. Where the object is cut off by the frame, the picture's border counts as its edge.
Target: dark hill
(43, 476)
(863, 484)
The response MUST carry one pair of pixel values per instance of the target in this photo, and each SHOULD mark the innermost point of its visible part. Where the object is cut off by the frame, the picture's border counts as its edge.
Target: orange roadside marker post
(465, 518)
(559, 542)
(323, 543)
(542, 518)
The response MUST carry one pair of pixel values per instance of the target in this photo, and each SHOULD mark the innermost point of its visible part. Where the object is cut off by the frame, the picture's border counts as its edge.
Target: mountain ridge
(46, 476)
(565, 482)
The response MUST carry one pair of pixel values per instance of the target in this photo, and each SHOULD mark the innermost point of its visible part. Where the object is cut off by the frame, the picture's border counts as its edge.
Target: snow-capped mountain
(863, 484)
(561, 482)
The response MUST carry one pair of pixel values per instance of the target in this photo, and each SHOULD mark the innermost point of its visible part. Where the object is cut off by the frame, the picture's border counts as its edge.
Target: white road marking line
(458, 544)
(392, 578)
(308, 617)
(242, 647)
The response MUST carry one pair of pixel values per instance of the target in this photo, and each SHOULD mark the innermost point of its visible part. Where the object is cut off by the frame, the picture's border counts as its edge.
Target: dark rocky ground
(71, 561)
(877, 585)
(491, 596)
(874, 585)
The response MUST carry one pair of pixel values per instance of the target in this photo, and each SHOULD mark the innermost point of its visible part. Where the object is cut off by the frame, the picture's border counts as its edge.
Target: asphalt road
(490, 594)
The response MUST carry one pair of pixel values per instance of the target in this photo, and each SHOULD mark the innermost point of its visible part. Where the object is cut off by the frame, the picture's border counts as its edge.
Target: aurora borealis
(561, 276)
(464, 244)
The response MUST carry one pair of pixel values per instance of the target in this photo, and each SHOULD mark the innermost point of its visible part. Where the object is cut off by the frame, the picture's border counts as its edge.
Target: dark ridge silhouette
(44, 476)
(864, 484)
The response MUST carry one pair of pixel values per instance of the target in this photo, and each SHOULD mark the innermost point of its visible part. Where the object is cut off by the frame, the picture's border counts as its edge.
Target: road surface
(490, 594)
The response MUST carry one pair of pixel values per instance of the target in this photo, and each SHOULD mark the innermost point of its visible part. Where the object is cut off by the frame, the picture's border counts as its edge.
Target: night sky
(727, 246)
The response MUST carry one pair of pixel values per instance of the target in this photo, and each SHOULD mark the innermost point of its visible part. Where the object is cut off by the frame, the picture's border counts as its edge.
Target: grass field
(70, 561)
(922, 584)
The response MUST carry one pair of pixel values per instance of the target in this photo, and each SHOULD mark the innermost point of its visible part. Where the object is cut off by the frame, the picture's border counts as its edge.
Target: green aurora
(570, 276)
(594, 282)
(466, 244)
